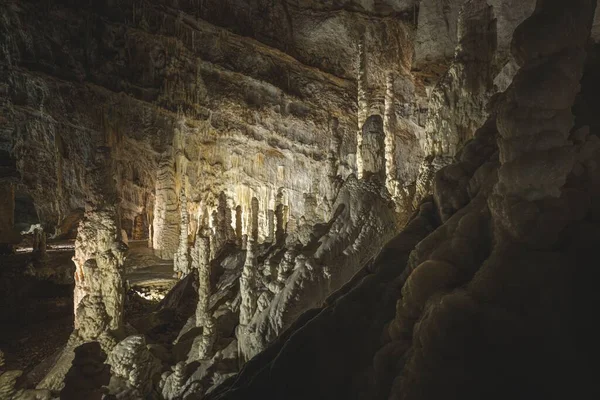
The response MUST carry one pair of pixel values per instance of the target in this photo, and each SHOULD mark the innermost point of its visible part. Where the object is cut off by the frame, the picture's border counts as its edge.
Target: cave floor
(38, 318)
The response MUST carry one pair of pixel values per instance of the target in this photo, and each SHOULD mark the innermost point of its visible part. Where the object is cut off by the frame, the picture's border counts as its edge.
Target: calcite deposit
(339, 199)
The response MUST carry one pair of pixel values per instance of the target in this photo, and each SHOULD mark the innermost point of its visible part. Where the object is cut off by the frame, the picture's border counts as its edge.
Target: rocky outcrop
(312, 358)
(433, 297)
(134, 366)
(365, 219)
(502, 280)
(457, 105)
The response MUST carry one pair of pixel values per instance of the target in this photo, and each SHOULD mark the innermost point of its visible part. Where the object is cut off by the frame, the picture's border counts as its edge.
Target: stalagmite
(166, 223)
(270, 226)
(363, 103)
(98, 253)
(249, 279)
(134, 366)
(279, 219)
(457, 104)
(372, 149)
(204, 318)
(390, 135)
(254, 220)
(222, 224)
(181, 259)
(99, 292)
(361, 199)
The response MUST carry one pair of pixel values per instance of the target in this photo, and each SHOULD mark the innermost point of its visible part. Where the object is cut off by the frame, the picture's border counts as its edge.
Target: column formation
(373, 148)
(248, 280)
(99, 286)
(390, 138)
(181, 259)
(363, 103)
(201, 256)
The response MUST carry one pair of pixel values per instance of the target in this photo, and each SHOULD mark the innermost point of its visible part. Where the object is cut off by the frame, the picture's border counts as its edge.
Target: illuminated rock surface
(342, 199)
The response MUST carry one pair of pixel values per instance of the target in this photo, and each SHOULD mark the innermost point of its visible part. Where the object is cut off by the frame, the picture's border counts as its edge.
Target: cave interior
(299, 199)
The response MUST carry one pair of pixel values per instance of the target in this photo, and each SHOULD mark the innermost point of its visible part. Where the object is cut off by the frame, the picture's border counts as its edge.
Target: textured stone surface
(364, 222)
(132, 361)
(274, 150)
(227, 112)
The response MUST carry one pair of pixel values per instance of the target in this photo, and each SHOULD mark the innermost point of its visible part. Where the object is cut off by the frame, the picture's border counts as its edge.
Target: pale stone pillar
(99, 256)
(181, 259)
(373, 148)
(201, 256)
(248, 280)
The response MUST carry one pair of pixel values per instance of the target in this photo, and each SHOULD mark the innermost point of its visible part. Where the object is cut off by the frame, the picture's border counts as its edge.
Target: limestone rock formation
(98, 260)
(181, 259)
(165, 227)
(132, 362)
(390, 199)
(204, 318)
(364, 221)
(372, 149)
(472, 303)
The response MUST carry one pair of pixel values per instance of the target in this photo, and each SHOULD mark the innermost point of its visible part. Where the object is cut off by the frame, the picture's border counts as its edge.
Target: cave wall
(253, 99)
(228, 97)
